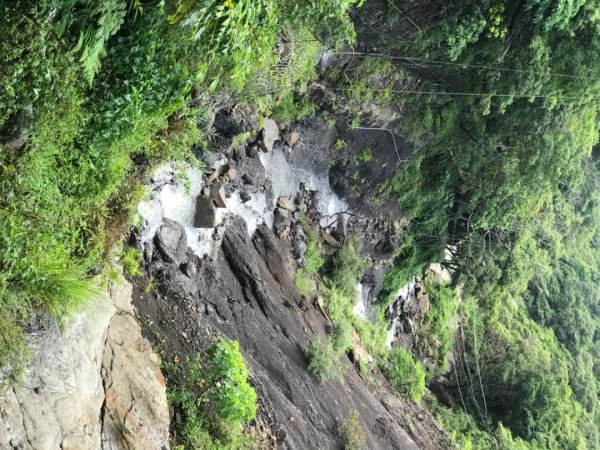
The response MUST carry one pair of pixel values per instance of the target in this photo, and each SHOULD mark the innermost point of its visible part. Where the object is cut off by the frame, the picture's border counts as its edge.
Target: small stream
(173, 196)
(176, 200)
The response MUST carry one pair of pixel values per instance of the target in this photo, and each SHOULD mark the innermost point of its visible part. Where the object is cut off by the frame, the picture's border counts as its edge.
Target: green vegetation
(214, 397)
(499, 102)
(404, 373)
(436, 331)
(340, 144)
(94, 92)
(131, 262)
(323, 360)
(351, 432)
(365, 155)
(304, 278)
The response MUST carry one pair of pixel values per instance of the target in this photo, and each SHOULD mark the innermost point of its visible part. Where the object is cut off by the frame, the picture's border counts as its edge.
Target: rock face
(270, 134)
(93, 385)
(206, 213)
(247, 293)
(135, 411)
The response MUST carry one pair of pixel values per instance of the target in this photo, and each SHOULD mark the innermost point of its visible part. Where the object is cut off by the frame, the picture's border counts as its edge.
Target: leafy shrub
(312, 257)
(290, 108)
(436, 328)
(304, 283)
(236, 36)
(341, 335)
(351, 432)
(95, 22)
(131, 262)
(404, 373)
(226, 382)
(346, 267)
(214, 397)
(323, 361)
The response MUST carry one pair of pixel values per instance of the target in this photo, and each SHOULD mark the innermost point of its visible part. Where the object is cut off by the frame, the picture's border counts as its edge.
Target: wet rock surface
(244, 289)
(247, 293)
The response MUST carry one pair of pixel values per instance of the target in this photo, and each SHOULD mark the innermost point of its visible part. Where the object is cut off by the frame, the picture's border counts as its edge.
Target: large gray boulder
(206, 212)
(171, 241)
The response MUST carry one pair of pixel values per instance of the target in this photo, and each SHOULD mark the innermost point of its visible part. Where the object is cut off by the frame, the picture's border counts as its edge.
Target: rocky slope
(237, 280)
(93, 383)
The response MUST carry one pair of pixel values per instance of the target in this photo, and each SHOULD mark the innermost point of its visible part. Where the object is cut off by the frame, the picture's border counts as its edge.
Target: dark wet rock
(171, 241)
(248, 179)
(206, 213)
(298, 248)
(245, 197)
(15, 131)
(231, 122)
(148, 251)
(217, 195)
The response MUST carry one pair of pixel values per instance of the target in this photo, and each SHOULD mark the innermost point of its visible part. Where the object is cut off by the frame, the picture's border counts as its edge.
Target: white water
(360, 309)
(286, 181)
(406, 292)
(171, 199)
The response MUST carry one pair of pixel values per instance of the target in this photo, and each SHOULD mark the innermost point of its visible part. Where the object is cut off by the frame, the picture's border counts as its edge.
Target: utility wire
(479, 94)
(465, 65)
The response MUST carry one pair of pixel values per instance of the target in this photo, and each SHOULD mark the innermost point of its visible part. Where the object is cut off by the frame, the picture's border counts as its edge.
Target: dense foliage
(94, 92)
(503, 177)
(214, 397)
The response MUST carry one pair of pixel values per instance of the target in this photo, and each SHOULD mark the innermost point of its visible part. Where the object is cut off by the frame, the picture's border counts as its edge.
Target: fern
(95, 22)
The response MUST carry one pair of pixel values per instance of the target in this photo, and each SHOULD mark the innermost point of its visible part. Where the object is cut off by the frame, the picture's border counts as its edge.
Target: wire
(464, 65)
(478, 94)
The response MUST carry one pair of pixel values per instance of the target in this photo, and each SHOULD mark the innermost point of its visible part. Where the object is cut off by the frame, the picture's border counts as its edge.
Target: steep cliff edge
(92, 383)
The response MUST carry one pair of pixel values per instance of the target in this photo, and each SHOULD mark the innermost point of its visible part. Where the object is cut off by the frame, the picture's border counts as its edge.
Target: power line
(479, 94)
(465, 65)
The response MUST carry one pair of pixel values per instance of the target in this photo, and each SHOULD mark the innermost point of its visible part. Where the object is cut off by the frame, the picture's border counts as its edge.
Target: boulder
(285, 203)
(206, 213)
(247, 179)
(217, 195)
(171, 241)
(245, 197)
(282, 219)
(269, 135)
(230, 174)
(292, 138)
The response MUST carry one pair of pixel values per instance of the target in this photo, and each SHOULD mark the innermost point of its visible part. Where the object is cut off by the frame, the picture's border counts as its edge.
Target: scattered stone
(285, 203)
(206, 213)
(330, 240)
(282, 219)
(245, 197)
(216, 174)
(292, 138)
(217, 195)
(230, 174)
(247, 179)
(420, 416)
(270, 134)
